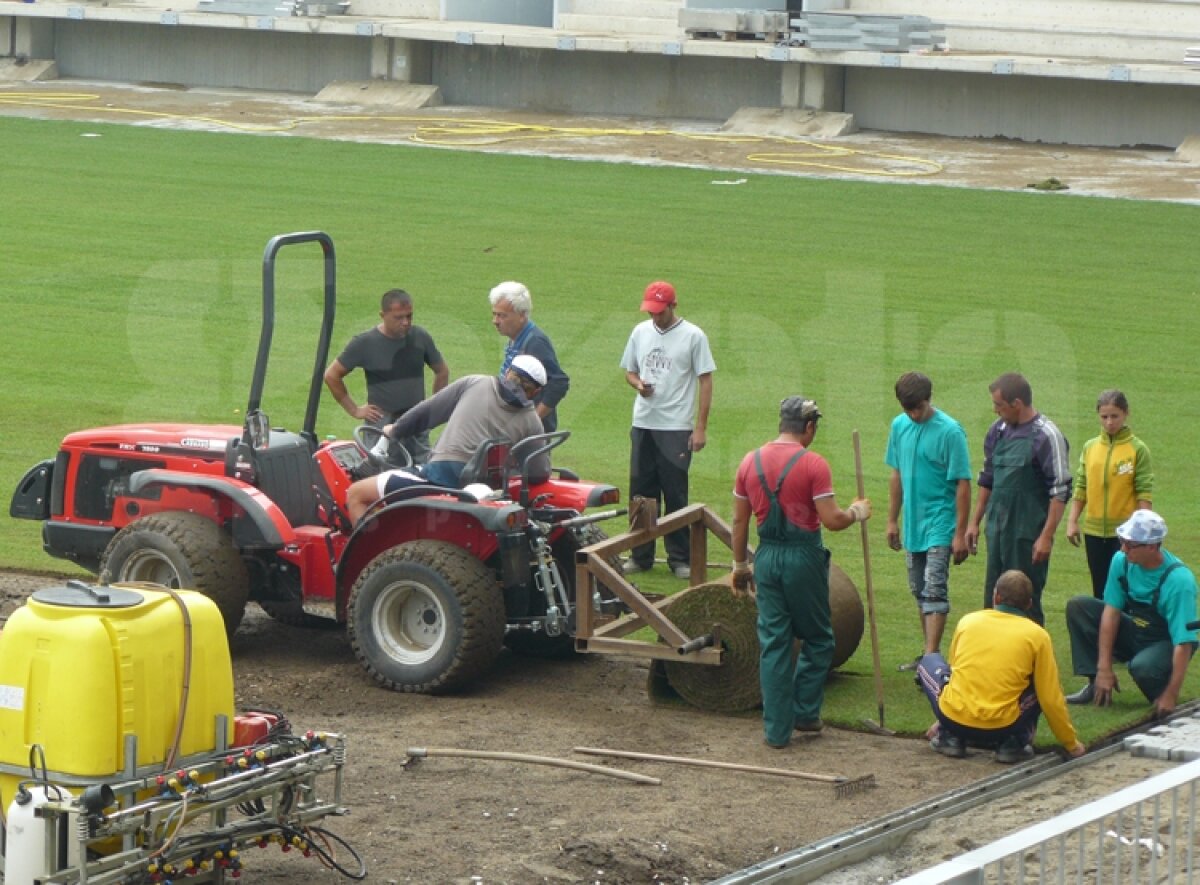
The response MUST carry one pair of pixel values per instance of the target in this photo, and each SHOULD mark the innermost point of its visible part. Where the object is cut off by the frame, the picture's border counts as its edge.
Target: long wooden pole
(708, 763)
(866, 546)
(423, 752)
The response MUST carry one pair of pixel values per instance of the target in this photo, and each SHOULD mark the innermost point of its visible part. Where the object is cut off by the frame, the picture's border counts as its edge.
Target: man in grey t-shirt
(393, 355)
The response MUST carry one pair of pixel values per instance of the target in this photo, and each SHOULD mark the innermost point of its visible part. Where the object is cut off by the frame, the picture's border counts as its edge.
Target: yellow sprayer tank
(83, 667)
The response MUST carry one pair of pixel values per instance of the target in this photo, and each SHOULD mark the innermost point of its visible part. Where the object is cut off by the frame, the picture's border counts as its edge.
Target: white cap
(1144, 527)
(531, 367)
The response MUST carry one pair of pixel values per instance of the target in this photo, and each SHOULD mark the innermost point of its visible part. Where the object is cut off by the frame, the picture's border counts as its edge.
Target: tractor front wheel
(426, 617)
(183, 551)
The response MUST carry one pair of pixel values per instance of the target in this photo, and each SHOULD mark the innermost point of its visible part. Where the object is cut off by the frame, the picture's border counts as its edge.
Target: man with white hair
(1143, 620)
(475, 409)
(512, 309)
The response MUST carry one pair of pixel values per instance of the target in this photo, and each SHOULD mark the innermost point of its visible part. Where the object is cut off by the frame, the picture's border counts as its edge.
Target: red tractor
(430, 583)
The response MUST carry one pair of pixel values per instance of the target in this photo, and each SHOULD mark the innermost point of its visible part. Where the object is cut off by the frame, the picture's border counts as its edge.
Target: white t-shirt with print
(671, 360)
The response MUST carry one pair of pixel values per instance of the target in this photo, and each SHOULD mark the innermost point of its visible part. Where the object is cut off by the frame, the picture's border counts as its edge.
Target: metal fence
(1144, 833)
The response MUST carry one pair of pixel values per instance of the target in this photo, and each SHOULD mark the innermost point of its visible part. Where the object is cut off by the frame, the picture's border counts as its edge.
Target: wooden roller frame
(592, 564)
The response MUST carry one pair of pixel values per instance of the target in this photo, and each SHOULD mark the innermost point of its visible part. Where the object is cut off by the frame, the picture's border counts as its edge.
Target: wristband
(741, 567)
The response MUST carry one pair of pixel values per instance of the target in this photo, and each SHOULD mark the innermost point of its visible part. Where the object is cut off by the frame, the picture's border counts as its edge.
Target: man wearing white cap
(1149, 600)
(475, 409)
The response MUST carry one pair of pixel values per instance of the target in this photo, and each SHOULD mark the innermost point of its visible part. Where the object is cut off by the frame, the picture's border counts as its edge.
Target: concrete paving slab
(790, 123)
(1177, 740)
(381, 93)
(1189, 150)
(28, 69)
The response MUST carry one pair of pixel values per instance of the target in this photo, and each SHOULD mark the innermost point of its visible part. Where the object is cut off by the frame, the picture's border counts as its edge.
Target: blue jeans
(444, 473)
(929, 579)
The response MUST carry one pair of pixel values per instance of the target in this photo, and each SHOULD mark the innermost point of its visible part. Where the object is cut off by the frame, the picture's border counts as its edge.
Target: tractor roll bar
(268, 325)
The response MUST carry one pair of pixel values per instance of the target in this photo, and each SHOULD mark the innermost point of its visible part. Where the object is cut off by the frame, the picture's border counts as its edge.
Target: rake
(842, 786)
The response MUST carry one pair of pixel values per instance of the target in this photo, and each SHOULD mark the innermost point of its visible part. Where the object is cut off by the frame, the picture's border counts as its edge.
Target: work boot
(1013, 749)
(1085, 695)
(630, 567)
(949, 745)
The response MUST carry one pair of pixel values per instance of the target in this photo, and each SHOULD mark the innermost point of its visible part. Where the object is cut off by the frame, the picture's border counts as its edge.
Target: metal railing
(1143, 833)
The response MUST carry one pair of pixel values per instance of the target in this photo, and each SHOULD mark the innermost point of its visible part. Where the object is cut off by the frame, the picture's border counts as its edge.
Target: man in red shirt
(789, 490)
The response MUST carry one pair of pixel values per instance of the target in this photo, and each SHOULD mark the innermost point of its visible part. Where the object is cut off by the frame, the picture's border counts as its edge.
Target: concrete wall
(539, 13)
(602, 82)
(208, 57)
(1086, 112)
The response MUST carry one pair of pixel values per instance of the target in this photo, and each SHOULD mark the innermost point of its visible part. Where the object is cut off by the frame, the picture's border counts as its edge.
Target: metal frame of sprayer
(194, 820)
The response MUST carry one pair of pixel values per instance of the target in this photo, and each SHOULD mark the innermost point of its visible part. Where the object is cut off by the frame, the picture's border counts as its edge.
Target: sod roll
(847, 614)
(733, 686)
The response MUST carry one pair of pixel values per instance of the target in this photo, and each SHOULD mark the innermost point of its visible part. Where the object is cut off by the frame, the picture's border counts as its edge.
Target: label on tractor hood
(12, 697)
(193, 442)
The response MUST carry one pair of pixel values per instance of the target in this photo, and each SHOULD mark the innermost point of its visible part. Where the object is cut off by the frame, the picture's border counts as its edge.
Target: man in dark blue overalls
(1149, 601)
(790, 491)
(1023, 489)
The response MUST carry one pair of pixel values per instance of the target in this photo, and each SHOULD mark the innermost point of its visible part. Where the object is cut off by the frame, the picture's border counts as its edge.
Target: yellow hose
(466, 133)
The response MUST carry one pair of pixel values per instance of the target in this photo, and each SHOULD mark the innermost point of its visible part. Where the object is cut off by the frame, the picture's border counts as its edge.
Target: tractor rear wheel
(183, 551)
(426, 617)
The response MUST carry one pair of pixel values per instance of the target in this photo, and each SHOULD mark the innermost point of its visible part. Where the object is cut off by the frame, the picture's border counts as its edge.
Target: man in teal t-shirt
(931, 481)
(1145, 620)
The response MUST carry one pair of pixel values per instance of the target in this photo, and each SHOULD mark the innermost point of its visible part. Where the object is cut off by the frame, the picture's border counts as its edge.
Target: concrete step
(420, 9)
(667, 9)
(1163, 16)
(1116, 48)
(612, 24)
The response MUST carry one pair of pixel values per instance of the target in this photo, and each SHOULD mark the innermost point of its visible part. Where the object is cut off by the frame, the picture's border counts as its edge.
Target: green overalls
(1016, 515)
(791, 569)
(1143, 637)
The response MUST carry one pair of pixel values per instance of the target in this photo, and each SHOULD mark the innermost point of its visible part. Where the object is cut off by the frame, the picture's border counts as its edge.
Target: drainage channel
(885, 834)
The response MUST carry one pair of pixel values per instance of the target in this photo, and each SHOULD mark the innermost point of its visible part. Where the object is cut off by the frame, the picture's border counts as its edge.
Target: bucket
(28, 834)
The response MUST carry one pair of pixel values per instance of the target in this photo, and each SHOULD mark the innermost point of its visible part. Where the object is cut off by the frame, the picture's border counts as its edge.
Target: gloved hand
(743, 578)
(860, 510)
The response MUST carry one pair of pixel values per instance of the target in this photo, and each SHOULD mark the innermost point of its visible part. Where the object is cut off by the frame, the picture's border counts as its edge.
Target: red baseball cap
(659, 296)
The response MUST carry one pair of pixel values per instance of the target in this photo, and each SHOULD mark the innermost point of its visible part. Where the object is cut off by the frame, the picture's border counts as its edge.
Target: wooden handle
(423, 752)
(866, 546)
(708, 763)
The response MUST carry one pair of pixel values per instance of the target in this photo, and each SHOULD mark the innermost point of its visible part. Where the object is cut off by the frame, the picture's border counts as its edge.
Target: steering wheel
(367, 437)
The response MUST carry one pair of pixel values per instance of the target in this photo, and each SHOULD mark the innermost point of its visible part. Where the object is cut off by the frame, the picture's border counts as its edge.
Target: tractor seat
(487, 464)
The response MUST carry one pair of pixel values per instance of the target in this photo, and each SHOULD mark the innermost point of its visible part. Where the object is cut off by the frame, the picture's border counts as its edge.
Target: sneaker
(775, 746)
(910, 666)
(949, 745)
(682, 571)
(812, 727)
(1012, 750)
(630, 567)
(1085, 695)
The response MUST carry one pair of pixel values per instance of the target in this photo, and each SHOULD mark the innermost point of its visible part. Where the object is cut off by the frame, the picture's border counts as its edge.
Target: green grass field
(132, 261)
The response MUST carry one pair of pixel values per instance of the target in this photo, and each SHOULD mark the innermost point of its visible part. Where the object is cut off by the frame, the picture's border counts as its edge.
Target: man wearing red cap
(666, 361)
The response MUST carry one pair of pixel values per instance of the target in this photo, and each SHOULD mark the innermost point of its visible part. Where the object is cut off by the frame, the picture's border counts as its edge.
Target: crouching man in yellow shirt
(1000, 678)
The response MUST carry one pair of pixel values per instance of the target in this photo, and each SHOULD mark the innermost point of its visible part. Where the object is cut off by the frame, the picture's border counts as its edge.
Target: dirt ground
(459, 820)
(751, 148)
(455, 820)
(464, 820)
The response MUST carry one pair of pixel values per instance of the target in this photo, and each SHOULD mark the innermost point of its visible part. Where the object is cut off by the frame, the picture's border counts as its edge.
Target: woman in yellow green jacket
(1114, 478)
